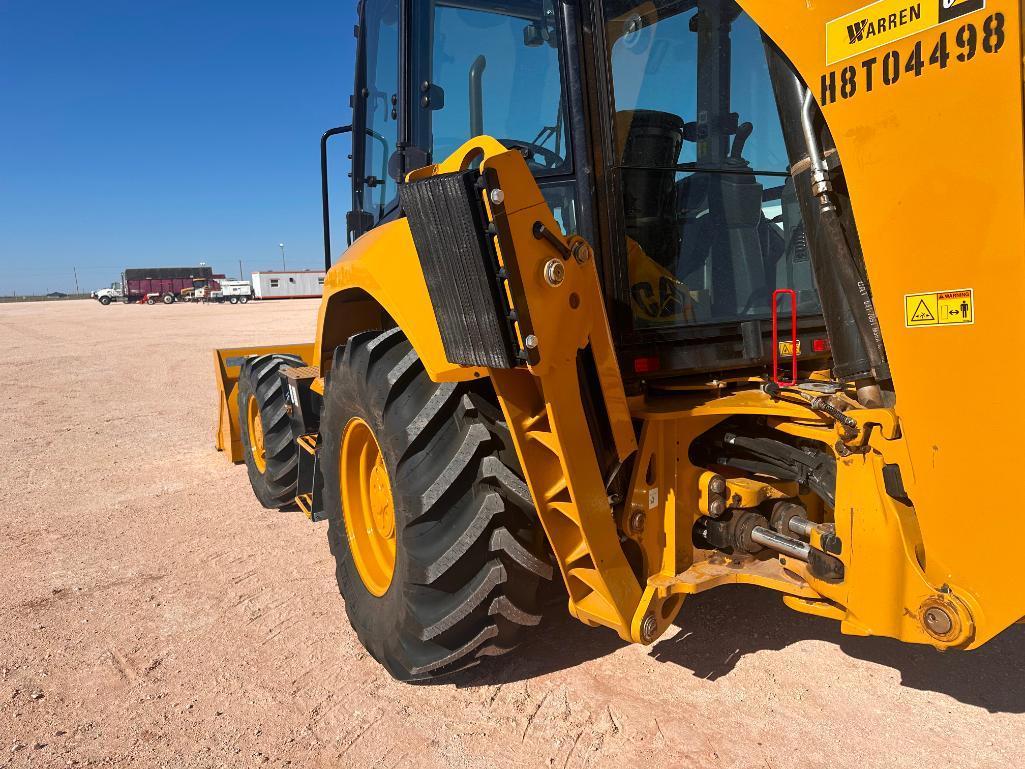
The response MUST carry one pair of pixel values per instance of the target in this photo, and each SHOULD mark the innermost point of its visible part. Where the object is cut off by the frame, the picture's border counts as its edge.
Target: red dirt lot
(152, 614)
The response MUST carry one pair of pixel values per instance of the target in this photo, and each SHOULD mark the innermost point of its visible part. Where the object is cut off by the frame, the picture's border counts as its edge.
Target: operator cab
(652, 130)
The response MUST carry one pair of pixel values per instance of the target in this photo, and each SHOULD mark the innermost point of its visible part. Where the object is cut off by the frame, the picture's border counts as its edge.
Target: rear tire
(272, 455)
(243, 299)
(168, 299)
(469, 555)
(233, 300)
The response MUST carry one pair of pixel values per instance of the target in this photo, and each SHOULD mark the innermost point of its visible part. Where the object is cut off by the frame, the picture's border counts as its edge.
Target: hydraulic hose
(854, 286)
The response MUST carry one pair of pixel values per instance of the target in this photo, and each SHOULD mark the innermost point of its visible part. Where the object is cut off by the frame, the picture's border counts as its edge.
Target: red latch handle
(775, 336)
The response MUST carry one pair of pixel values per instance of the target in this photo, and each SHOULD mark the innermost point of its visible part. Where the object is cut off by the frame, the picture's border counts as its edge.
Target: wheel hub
(256, 443)
(368, 507)
(381, 501)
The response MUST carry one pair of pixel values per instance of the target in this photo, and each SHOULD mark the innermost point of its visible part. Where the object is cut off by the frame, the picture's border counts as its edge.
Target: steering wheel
(530, 151)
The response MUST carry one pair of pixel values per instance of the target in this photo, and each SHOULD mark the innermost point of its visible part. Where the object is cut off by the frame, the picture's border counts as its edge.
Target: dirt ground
(152, 614)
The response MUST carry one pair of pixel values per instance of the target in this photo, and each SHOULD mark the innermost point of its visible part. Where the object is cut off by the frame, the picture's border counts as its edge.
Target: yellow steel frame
(543, 405)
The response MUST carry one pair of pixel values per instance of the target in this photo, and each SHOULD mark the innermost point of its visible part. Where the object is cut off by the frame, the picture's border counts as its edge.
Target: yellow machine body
(934, 166)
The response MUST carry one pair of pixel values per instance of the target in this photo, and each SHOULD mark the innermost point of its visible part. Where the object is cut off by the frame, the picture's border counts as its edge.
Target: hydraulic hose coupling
(822, 188)
(821, 185)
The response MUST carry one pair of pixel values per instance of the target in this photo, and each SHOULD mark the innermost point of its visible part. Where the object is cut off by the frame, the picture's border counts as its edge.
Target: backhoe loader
(651, 296)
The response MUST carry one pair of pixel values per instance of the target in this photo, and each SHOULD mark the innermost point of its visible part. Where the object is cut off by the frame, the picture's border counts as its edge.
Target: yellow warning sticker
(787, 348)
(939, 308)
(887, 21)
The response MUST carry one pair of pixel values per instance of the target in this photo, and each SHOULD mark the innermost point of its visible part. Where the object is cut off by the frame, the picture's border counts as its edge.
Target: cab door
(377, 114)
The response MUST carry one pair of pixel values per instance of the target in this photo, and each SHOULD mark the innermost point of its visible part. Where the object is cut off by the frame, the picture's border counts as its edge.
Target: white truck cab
(107, 295)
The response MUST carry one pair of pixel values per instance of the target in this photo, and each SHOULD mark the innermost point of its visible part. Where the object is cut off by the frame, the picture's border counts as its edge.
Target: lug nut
(497, 196)
(717, 507)
(530, 342)
(555, 272)
(717, 485)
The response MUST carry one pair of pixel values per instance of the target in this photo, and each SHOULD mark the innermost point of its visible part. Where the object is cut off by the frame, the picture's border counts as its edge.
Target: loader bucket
(227, 364)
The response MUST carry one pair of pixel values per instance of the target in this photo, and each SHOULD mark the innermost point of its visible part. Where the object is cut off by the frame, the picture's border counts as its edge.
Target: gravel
(167, 620)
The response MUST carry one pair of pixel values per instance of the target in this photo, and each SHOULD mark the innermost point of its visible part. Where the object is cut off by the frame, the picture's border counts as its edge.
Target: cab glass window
(381, 49)
(711, 217)
(494, 68)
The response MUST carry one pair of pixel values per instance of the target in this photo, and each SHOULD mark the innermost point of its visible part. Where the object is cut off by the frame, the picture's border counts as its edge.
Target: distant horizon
(87, 289)
(133, 134)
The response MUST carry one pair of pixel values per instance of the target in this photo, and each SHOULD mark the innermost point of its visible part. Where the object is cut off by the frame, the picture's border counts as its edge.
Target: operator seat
(727, 247)
(648, 147)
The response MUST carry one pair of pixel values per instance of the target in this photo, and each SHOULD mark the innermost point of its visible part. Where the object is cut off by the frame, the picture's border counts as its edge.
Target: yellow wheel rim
(256, 445)
(367, 506)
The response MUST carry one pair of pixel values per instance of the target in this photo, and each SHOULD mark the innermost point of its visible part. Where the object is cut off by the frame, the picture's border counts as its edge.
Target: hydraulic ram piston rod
(801, 526)
(786, 545)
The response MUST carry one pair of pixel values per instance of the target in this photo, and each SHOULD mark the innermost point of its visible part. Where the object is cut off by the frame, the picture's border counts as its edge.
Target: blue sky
(166, 132)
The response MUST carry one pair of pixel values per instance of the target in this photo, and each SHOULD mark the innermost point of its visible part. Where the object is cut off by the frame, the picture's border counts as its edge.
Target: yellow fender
(378, 282)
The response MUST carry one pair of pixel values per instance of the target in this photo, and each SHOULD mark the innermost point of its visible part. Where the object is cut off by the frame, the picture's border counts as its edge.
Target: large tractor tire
(439, 555)
(168, 299)
(272, 455)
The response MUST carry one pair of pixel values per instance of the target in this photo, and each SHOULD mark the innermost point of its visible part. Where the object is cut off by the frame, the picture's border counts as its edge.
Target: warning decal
(786, 349)
(939, 308)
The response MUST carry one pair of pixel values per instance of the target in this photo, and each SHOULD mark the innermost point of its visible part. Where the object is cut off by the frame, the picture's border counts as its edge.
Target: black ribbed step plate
(447, 219)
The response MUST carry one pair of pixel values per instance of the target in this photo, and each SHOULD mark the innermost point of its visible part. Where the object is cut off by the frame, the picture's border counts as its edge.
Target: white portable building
(306, 284)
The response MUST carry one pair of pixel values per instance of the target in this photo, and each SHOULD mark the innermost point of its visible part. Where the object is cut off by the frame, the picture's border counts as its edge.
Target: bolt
(717, 507)
(637, 522)
(530, 342)
(937, 621)
(497, 196)
(581, 251)
(555, 272)
(717, 485)
(648, 628)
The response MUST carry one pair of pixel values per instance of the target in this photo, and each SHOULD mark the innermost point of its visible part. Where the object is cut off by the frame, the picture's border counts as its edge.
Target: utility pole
(282, 247)
(241, 276)
(75, 270)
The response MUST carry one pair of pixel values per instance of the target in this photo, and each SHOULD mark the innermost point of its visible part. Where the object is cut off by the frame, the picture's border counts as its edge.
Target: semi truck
(157, 284)
(107, 295)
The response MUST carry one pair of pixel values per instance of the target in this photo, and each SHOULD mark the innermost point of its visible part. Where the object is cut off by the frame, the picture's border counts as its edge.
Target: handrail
(324, 189)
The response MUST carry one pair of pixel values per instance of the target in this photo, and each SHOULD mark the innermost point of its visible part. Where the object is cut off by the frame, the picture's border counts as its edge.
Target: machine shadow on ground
(721, 627)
